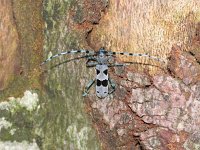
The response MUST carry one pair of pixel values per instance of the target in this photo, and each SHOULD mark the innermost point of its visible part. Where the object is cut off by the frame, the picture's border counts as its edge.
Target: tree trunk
(155, 105)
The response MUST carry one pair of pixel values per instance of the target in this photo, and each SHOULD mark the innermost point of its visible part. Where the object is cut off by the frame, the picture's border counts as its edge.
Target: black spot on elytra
(104, 83)
(97, 71)
(105, 72)
(98, 82)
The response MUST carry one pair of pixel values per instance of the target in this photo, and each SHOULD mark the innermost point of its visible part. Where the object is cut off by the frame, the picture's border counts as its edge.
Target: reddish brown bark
(9, 56)
(152, 109)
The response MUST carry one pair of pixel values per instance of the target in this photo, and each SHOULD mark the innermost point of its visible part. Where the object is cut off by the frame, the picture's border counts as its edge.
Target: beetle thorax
(102, 58)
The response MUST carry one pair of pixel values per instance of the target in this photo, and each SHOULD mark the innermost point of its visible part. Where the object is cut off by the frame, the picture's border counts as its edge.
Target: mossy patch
(18, 118)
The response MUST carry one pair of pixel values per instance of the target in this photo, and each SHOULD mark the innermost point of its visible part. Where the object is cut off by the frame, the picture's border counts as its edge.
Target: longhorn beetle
(100, 60)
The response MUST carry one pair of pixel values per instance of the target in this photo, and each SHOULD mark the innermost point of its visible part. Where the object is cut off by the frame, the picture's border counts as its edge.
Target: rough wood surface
(9, 55)
(149, 111)
(146, 27)
(43, 109)
(152, 108)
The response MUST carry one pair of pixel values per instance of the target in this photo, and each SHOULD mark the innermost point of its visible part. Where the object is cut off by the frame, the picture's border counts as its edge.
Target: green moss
(20, 114)
(6, 135)
(65, 119)
(16, 88)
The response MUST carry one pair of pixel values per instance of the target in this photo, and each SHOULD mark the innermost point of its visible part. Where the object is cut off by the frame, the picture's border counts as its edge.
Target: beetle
(101, 61)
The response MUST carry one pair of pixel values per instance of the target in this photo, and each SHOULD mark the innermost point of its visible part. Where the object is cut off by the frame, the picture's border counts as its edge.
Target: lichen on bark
(63, 84)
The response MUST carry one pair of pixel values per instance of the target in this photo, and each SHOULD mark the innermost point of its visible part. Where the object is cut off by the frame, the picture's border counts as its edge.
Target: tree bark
(151, 109)
(155, 105)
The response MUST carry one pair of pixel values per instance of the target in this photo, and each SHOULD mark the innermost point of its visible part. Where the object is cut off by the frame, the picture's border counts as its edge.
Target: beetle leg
(91, 62)
(87, 88)
(112, 84)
